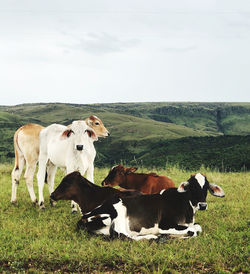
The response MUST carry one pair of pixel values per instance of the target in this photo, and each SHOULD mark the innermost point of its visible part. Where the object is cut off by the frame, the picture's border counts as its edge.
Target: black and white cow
(170, 212)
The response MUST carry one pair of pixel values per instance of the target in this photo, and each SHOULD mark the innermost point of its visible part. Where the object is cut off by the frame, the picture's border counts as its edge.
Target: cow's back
(52, 143)
(27, 140)
(155, 184)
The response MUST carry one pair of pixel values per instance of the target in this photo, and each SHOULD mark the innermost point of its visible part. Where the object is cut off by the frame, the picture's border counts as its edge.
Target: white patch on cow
(197, 228)
(104, 230)
(106, 221)
(145, 231)
(152, 230)
(195, 208)
(162, 191)
(200, 179)
(182, 233)
(147, 237)
(101, 216)
(121, 221)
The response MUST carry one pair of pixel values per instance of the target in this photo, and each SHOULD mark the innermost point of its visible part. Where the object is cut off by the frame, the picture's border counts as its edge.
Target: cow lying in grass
(86, 194)
(150, 216)
(127, 178)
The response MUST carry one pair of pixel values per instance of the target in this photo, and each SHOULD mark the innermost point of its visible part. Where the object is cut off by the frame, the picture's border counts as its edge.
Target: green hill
(149, 133)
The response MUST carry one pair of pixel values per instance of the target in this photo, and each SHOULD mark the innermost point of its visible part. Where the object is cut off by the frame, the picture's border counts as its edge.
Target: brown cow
(146, 183)
(86, 194)
(26, 145)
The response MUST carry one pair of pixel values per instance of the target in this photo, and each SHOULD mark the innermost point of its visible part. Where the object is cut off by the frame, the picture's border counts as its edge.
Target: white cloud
(102, 43)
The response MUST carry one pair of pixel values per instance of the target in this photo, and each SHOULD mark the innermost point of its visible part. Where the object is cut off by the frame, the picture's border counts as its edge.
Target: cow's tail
(16, 149)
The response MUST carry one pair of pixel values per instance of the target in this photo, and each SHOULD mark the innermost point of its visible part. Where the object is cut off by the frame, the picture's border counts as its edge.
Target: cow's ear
(89, 122)
(216, 190)
(131, 169)
(67, 133)
(183, 187)
(91, 134)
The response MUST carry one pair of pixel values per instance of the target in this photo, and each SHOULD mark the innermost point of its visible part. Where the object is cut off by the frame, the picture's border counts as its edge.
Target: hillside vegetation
(152, 134)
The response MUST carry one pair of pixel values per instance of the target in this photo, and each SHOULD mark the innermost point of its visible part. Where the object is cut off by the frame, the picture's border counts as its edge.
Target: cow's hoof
(198, 228)
(162, 239)
(81, 224)
(52, 202)
(42, 206)
(14, 202)
(34, 203)
(190, 233)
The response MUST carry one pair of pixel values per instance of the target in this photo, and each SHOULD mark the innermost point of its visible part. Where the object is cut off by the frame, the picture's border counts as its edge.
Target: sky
(106, 51)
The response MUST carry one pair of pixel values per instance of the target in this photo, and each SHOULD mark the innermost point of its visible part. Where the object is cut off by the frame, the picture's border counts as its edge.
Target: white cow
(69, 147)
(26, 145)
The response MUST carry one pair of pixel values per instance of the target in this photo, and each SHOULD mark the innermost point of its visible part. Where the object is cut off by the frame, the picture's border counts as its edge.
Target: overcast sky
(102, 51)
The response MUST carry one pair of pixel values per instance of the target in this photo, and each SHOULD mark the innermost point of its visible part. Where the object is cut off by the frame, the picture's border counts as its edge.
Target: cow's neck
(90, 197)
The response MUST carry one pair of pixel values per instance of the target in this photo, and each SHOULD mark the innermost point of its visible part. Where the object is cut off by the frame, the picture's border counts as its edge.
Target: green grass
(33, 241)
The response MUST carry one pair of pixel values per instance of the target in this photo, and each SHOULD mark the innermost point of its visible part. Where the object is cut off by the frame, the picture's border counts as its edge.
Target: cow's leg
(142, 237)
(51, 171)
(197, 227)
(74, 205)
(29, 173)
(114, 234)
(41, 178)
(100, 225)
(90, 173)
(16, 174)
(181, 231)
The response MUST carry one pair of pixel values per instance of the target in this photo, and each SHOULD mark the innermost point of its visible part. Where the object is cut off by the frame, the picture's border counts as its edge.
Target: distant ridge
(140, 131)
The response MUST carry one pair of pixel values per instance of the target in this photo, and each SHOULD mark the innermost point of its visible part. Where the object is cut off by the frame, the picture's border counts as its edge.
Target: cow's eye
(97, 123)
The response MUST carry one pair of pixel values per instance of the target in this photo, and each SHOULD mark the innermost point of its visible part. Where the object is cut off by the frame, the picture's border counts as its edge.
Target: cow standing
(71, 148)
(26, 145)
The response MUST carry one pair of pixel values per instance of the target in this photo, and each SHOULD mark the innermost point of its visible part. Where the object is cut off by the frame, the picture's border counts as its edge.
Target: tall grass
(34, 240)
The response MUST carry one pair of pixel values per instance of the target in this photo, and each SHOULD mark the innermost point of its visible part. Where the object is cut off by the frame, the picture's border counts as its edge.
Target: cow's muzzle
(202, 206)
(79, 147)
(52, 197)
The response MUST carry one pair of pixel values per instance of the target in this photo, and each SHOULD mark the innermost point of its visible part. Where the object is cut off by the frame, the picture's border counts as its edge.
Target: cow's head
(80, 135)
(117, 175)
(197, 186)
(97, 125)
(69, 187)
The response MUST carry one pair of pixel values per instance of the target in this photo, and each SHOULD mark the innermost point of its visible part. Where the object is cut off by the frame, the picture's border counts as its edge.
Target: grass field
(47, 241)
